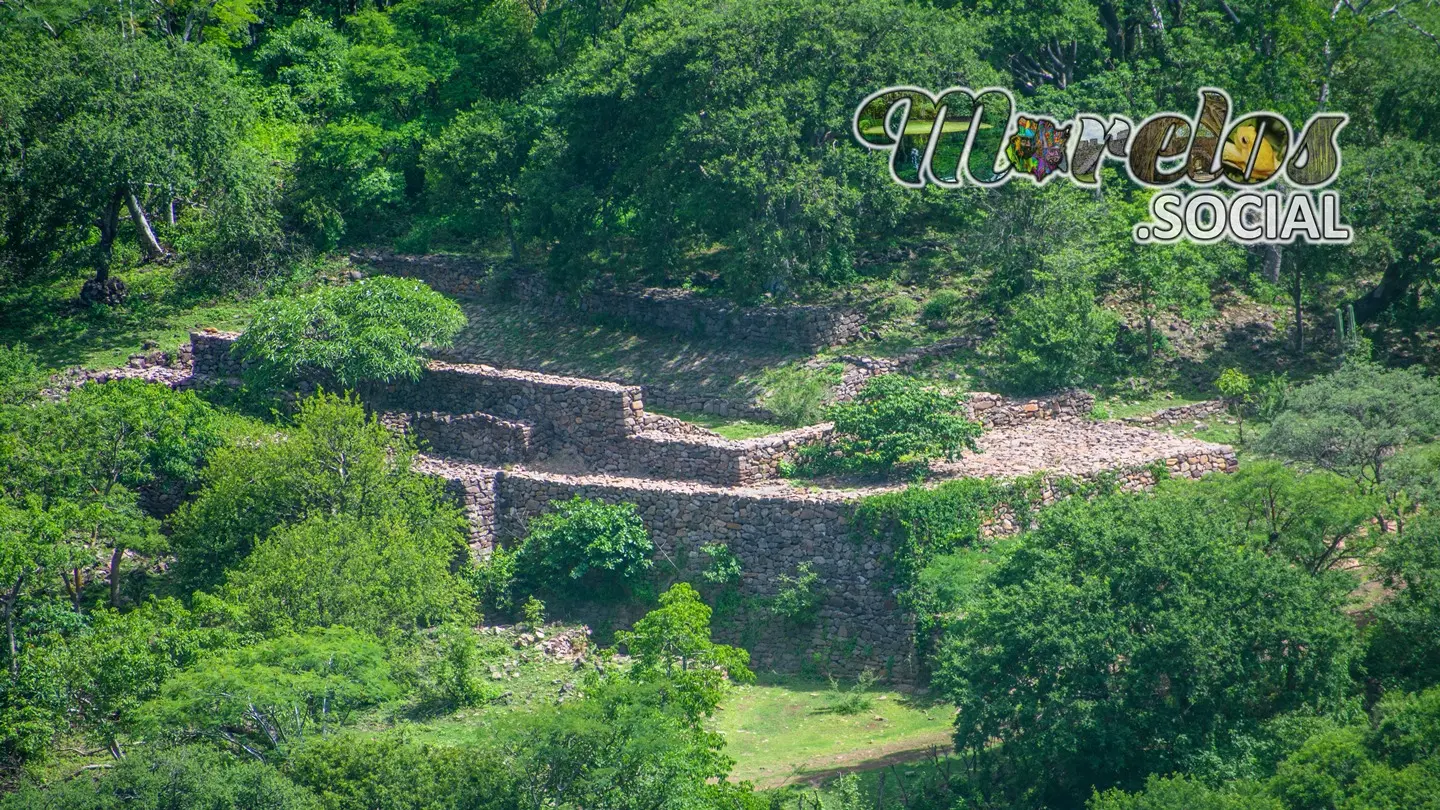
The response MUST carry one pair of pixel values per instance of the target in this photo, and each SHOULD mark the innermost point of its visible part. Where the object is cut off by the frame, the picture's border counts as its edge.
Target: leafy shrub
(894, 419)
(1354, 419)
(799, 597)
(944, 305)
(855, 699)
(492, 581)
(1054, 338)
(373, 329)
(453, 676)
(585, 547)
(897, 307)
(671, 646)
(20, 375)
(272, 695)
(797, 394)
(178, 776)
(375, 574)
(534, 613)
(724, 566)
(334, 461)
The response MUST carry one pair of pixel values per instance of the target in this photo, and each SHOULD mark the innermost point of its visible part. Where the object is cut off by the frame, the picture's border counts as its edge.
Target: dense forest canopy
(638, 137)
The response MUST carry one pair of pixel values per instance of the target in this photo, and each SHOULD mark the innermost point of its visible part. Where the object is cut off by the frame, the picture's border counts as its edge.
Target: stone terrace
(509, 444)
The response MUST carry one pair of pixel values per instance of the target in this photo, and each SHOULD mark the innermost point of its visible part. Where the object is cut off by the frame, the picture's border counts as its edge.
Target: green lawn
(780, 731)
(48, 318)
(733, 429)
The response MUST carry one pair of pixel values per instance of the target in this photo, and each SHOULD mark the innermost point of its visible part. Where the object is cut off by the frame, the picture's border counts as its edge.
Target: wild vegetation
(247, 599)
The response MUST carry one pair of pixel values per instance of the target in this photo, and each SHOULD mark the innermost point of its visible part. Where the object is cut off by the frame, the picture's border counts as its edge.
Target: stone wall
(714, 460)
(802, 326)
(859, 624)
(587, 415)
(1181, 414)
(1130, 479)
(211, 355)
(994, 410)
(479, 437)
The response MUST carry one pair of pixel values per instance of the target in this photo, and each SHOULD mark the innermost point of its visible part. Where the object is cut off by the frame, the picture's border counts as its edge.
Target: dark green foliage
(1404, 641)
(1128, 636)
(378, 574)
(351, 771)
(749, 152)
(1054, 338)
(333, 462)
(1391, 762)
(627, 745)
(894, 420)
(178, 778)
(373, 329)
(922, 522)
(584, 548)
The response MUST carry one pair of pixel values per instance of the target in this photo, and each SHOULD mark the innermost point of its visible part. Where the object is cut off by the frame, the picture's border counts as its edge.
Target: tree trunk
(148, 242)
(1299, 312)
(1393, 285)
(109, 225)
(10, 600)
(115, 560)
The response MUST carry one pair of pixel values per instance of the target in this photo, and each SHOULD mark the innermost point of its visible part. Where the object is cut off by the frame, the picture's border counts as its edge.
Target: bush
(799, 597)
(1055, 338)
(894, 419)
(373, 329)
(333, 461)
(944, 305)
(585, 548)
(272, 695)
(20, 375)
(854, 700)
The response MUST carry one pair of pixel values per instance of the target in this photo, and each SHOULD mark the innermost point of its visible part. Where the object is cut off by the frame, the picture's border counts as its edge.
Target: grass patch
(785, 731)
(733, 429)
(47, 317)
(528, 679)
(1120, 408)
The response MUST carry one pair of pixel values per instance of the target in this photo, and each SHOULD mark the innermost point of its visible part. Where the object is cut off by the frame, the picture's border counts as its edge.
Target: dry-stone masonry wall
(804, 326)
(501, 416)
(771, 531)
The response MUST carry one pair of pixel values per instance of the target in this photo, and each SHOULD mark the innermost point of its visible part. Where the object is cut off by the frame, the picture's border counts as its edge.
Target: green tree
(373, 329)
(1235, 386)
(88, 456)
(672, 644)
(1353, 420)
(644, 157)
(584, 547)
(107, 124)
(334, 461)
(896, 419)
(390, 771)
(626, 745)
(1126, 636)
(171, 778)
(379, 575)
(264, 699)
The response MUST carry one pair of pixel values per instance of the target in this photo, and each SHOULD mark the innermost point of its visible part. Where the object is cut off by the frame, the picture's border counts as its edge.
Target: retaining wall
(859, 624)
(803, 326)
